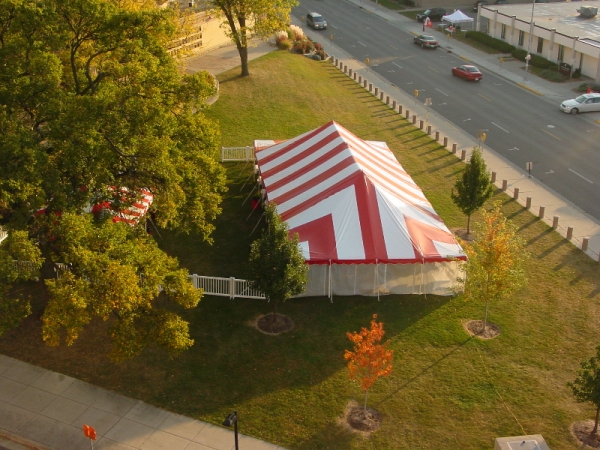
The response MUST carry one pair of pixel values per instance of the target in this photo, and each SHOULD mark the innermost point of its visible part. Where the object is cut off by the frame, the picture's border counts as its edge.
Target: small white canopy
(458, 18)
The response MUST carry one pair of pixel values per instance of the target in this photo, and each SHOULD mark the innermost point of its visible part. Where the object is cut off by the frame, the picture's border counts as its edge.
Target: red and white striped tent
(365, 227)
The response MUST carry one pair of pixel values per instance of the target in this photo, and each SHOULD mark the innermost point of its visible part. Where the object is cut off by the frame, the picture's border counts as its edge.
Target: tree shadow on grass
(330, 436)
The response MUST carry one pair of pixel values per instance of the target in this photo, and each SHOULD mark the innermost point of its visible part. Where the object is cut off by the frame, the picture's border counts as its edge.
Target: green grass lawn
(447, 390)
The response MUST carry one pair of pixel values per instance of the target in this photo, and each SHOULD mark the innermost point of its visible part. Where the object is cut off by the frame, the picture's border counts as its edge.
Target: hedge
(486, 39)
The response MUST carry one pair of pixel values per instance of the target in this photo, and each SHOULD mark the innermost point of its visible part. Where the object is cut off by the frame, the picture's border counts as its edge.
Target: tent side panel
(318, 281)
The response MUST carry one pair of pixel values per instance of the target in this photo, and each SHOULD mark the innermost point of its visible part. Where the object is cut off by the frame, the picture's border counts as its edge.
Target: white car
(583, 103)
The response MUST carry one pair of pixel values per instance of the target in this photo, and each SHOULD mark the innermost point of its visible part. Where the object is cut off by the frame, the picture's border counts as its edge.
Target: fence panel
(237, 154)
(3, 234)
(243, 289)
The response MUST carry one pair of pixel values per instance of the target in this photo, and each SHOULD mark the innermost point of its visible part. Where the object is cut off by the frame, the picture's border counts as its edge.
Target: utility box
(532, 442)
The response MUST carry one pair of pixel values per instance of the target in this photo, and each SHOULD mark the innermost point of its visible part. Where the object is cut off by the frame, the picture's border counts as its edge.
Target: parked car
(433, 14)
(316, 21)
(467, 72)
(426, 41)
(583, 103)
(479, 2)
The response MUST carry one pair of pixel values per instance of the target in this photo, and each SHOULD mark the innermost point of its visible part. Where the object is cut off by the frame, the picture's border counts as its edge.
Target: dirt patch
(462, 234)
(355, 419)
(581, 431)
(272, 324)
(475, 328)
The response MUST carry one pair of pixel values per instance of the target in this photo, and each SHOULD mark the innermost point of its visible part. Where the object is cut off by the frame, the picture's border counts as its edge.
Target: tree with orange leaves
(370, 359)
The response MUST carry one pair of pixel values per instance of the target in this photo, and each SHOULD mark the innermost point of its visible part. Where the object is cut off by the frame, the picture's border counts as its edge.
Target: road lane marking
(361, 43)
(555, 137)
(441, 92)
(397, 65)
(393, 47)
(466, 119)
(579, 175)
(433, 69)
(406, 57)
(452, 126)
(496, 125)
(512, 149)
(485, 98)
(549, 172)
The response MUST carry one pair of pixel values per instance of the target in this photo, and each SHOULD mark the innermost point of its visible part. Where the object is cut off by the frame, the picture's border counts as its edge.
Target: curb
(21, 441)
(529, 89)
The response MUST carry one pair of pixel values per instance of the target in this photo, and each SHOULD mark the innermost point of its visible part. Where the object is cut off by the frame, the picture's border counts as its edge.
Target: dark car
(433, 14)
(316, 21)
(479, 2)
(467, 72)
(426, 41)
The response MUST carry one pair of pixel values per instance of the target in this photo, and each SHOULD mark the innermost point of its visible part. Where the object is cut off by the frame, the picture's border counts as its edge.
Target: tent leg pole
(246, 199)
(244, 185)
(256, 226)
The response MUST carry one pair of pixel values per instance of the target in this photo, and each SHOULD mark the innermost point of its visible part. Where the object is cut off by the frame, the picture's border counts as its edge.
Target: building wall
(492, 21)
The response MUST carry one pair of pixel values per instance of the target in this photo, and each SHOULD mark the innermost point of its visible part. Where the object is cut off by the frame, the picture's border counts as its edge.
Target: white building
(555, 31)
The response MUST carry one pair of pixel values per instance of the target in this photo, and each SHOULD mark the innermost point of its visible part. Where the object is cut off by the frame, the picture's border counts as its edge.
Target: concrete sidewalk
(41, 409)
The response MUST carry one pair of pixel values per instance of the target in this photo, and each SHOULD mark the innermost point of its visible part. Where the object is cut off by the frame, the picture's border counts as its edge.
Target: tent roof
(350, 200)
(457, 17)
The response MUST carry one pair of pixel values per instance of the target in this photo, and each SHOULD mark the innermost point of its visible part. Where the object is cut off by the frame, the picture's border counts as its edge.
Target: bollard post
(387, 100)
(394, 105)
(542, 211)
(528, 203)
(516, 193)
(354, 76)
(381, 95)
(345, 68)
(437, 136)
(445, 141)
(399, 109)
(429, 130)
(569, 233)
(463, 155)
(360, 79)
(493, 180)
(350, 73)
(421, 124)
(454, 148)
(555, 221)
(585, 243)
(365, 83)
(414, 119)
(376, 91)
(407, 113)
(370, 87)
(504, 185)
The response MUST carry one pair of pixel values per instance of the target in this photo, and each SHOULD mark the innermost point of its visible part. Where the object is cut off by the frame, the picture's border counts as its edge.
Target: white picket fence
(226, 287)
(237, 154)
(3, 234)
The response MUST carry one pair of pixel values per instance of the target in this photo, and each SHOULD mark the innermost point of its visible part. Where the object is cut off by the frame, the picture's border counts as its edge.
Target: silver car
(583, 103)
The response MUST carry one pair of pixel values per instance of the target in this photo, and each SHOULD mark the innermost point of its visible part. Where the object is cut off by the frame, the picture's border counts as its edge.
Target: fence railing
(225, 287)
(3, 234)
(237, 154)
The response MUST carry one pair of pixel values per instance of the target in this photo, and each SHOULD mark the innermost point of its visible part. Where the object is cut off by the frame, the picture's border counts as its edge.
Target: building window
(503, 32)
(561, 52)
(521, 38)
(540, 45)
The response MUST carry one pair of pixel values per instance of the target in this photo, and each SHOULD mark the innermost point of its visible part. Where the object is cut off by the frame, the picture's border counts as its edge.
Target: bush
(585, 86)
(286, 44)
(494, 43)
(535, 61)
(552, 75)
(297, 33)
(281, 36)
(304, 46)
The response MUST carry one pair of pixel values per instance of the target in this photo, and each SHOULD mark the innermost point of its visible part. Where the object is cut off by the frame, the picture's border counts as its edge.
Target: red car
(467, 72)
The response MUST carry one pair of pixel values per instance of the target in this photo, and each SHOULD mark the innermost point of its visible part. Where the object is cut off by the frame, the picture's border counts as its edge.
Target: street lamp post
(528, 57)
(232, 419)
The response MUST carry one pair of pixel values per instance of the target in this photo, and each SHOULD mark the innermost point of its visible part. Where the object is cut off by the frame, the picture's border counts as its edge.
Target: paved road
(520, 125)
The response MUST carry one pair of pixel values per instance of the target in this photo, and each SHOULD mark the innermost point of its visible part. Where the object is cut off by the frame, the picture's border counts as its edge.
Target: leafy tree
(586, 387)
(118, 272)
(20, 260)
(473, 187)
(91, 101)
(495, 268)
(370, 360)
(277, 267)
(247, 18)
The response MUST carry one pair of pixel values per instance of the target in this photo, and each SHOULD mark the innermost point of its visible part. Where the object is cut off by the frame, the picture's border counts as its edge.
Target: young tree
(473, 187)
(370, 360)
(247, 18)
(277, 267)
(586, 387)
(495, 268)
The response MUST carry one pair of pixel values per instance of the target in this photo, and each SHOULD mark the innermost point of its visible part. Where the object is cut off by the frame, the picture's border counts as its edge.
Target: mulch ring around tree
(273, 324)
(355, 419)
(462, 233)
(475, 328)
(581, 432)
